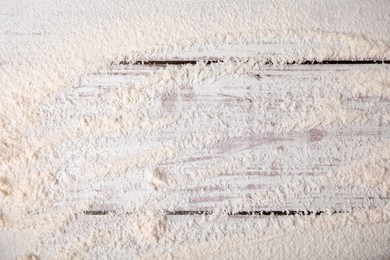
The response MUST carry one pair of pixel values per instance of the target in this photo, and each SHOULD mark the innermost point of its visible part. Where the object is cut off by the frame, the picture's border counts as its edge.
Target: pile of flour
(47, 46)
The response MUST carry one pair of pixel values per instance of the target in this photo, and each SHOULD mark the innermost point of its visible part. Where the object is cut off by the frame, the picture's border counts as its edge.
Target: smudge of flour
(155, 178)
(67, 148)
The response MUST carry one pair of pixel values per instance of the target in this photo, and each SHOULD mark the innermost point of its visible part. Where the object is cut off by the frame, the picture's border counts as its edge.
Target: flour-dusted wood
(168, 162)
(267, 140)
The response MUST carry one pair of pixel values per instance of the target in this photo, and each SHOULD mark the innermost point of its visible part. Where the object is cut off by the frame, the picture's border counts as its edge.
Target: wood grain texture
(268, 141)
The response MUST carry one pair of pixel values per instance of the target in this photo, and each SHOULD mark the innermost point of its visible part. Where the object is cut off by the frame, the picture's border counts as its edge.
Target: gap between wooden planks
(183, 62)
(242, 213)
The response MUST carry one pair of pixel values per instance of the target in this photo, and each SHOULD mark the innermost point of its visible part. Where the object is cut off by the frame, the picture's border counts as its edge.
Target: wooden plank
(267, 141)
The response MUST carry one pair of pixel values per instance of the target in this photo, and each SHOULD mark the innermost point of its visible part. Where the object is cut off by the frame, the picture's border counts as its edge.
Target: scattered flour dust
(164, 140)
(155, 178)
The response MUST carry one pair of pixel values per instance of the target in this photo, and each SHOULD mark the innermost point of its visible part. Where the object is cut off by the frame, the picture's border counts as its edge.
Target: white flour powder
(135, 148)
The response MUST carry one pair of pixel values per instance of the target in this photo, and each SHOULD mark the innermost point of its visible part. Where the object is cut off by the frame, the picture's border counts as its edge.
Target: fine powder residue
(155, 178)
(96, 160)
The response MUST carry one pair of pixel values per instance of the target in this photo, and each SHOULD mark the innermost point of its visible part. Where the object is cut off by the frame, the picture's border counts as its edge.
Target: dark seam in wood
(254, 213)
(343, 62)
(96, 212)
(207, 62)
(240, 213)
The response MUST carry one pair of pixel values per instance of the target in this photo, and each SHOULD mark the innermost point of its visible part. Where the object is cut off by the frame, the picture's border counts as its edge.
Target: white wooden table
(269, 141)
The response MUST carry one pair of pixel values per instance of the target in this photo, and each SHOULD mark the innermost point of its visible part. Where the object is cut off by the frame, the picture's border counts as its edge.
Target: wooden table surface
(270, 140)
(232, 130)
